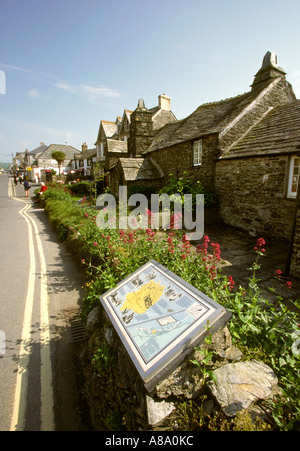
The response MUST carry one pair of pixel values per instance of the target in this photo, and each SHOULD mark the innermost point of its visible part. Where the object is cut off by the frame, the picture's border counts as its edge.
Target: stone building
(126, 138)
(84, 162)
(46, 163)
(245, 148)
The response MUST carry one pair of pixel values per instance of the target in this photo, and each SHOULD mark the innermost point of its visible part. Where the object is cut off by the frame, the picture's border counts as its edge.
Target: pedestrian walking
(27, 188)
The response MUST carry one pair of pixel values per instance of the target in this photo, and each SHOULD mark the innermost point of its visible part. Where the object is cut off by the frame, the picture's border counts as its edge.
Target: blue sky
(70, 63)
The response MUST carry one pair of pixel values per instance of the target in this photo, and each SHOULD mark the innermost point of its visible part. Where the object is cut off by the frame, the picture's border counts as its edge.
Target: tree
(59, 156)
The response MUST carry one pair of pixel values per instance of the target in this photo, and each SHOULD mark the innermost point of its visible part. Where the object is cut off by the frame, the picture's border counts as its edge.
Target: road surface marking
(47, 417)
(47, 421)
(18, 417)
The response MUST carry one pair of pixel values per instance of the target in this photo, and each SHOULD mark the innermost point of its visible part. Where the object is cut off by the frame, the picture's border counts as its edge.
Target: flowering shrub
(184, 185)
(264, 330)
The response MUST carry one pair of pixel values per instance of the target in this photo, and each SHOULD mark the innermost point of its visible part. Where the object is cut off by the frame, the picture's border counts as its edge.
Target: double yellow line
(20, 405)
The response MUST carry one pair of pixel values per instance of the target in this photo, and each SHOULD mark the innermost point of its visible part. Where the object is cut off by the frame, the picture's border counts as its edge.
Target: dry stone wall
(251, 195)
(118, 399)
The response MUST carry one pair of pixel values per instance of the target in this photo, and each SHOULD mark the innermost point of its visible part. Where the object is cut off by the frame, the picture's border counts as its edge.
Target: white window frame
(293, 175)
(197, 152)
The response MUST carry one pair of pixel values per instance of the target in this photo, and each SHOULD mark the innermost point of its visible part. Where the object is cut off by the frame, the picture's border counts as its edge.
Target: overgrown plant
(205, 364)
(184, 185)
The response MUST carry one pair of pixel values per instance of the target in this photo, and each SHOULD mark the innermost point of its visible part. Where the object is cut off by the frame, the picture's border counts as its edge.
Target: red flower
(231, 282)
(289, 284)
(216, 251)
(260, 242)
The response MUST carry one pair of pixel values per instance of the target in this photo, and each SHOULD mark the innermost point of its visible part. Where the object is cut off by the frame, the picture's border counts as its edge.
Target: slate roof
(68, 150)
(38, 150)
(140, 169)
(109, 128)
(206, 119)
(89, 153)
(277, 133)
(117, 146)
(162, 117)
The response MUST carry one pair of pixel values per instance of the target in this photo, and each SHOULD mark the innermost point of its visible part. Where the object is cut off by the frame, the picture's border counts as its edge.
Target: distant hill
(5, 165)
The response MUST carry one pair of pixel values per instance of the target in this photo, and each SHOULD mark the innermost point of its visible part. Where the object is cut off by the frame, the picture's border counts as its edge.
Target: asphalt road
(40, 289)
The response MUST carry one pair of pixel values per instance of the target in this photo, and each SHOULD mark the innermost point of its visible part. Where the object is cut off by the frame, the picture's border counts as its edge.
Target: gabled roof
(125, 118)
(68, 150)
(161, 118)
(38, 150)
(88, 153)
(277, 133)
(139, 169)
(207, 119)
(109, 129)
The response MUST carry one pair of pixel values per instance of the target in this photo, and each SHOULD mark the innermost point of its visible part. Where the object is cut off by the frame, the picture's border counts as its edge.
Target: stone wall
(118, 399)
(295, 262)
(179, 159)
(251, 194)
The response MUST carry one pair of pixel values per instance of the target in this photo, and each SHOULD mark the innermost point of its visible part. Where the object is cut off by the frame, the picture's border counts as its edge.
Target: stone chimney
(84, 147)
(141, 130)
(164, 102)
(268, 71)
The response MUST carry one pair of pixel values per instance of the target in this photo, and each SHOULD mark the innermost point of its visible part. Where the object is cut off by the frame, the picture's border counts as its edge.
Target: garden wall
(251, 194)
(185, 400)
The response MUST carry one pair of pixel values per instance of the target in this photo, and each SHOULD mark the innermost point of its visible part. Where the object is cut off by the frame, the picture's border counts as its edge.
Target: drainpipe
(293, 230)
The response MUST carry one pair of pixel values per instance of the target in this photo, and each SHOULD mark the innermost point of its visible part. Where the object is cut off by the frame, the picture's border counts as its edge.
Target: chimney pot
(164, 102)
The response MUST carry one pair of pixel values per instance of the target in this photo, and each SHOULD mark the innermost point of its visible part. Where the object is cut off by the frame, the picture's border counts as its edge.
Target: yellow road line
(47, 416)
(18, 416)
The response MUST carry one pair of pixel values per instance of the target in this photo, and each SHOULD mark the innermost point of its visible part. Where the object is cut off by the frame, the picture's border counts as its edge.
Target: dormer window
(294, 176)
(197, 152)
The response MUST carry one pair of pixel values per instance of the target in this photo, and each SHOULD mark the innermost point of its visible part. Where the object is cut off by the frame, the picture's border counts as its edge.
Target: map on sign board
(155, 312)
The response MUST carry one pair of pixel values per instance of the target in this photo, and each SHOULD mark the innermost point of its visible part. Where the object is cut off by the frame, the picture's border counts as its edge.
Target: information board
(159, 317)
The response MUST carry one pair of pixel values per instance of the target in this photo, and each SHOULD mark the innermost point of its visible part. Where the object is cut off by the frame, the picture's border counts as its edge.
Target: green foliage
(97, 183)
(141, 189)
(184, 185)
(62, 209)
(206, 361)
(81, 188)
(270, 329)
(103, 357)
(59, 156)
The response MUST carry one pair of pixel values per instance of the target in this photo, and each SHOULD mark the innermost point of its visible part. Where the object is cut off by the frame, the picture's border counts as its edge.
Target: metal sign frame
(160, 317)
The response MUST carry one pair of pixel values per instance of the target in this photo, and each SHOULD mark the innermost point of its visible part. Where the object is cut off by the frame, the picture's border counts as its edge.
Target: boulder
(239, 384)
(158, 411)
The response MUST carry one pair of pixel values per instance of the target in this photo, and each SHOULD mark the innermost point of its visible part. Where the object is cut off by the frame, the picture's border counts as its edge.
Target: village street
(41, 288)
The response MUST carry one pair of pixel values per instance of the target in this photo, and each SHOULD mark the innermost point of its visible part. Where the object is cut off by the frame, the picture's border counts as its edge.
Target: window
(197, 152)
(294, 176)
